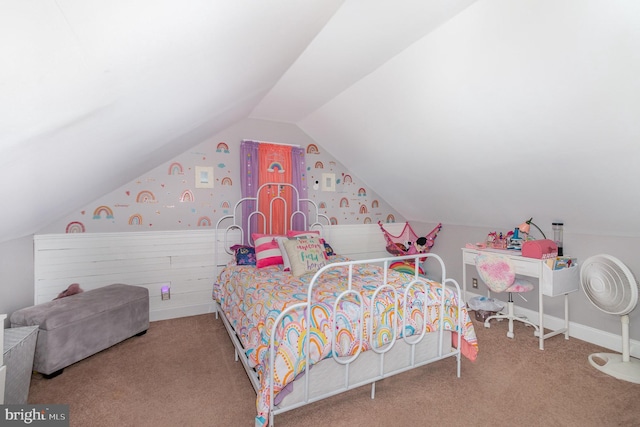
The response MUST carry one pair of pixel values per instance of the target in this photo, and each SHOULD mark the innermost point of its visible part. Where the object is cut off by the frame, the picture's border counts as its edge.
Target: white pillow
(285, 257)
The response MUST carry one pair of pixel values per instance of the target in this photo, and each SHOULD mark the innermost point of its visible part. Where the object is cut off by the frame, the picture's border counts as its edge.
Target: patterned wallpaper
(199, 186)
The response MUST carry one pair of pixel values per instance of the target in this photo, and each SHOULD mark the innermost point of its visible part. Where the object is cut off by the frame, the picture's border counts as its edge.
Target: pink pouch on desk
(540, 249)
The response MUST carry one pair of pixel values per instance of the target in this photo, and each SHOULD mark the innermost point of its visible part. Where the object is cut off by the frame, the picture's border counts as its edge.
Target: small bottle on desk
(557, 235)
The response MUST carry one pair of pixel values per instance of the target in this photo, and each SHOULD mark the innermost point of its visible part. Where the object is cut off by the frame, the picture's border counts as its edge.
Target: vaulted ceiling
(467, 112)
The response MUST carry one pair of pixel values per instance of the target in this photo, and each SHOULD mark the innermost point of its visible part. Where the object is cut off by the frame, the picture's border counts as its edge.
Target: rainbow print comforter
(253, 298)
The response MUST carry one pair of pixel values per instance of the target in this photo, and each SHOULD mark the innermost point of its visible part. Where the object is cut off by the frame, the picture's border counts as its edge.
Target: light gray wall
(16, 271)
(16, 275)
(452, 239)
(16, 265)
(166, 210)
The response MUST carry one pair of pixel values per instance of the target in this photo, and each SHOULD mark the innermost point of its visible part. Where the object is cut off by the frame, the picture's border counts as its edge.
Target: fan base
(614, 366)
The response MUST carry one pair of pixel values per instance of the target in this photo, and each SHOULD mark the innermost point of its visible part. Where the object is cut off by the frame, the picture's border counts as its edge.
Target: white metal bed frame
(396, 356)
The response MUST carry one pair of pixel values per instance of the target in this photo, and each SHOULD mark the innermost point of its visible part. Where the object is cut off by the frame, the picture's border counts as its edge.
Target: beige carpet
(183, 373)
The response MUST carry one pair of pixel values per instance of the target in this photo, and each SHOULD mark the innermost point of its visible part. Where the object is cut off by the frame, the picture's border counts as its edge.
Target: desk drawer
(527, 268)
(524, 266)
(469, 257)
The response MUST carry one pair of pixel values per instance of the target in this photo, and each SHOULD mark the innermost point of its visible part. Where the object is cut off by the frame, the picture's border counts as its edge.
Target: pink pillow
(267, 250)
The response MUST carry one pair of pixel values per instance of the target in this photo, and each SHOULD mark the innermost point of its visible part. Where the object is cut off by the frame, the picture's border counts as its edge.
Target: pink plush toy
(71, 290)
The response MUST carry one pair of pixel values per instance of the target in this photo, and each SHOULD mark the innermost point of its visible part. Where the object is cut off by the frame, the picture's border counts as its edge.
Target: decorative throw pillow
(306, 255)
(327, 248)
(244, 255)
(406, 267)
(267, 250)
(283, 251)
(295, 234)
(73, 289)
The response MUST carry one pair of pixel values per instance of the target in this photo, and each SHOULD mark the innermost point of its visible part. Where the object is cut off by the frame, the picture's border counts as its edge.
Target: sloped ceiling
(507, 111)
(94, 93)
(466, 112)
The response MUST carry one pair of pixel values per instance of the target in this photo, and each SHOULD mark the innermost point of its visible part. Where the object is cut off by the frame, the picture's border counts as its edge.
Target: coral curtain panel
(263, 162)
(275, 202)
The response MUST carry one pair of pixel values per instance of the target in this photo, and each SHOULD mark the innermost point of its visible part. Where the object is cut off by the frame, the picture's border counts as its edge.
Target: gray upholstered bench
(78, 326)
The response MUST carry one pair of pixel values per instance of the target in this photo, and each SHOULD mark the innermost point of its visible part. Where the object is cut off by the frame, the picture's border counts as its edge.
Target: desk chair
(498, 273)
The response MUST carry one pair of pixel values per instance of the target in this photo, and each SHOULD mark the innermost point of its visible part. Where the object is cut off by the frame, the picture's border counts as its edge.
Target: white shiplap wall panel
(186, 260)
(182, 259)
(361, 241)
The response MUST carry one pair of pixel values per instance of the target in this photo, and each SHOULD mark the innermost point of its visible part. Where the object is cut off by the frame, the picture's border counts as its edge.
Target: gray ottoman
(78, 326)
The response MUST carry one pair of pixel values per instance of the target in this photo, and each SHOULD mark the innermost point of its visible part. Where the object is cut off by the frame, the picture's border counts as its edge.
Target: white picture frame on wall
(328, 182)
(204, 177)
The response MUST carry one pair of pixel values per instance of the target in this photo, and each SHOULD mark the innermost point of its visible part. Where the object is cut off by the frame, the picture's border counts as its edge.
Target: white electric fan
(611, 287)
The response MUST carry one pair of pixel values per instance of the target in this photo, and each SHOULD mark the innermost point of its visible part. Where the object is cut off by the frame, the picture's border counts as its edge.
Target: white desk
(551, 283)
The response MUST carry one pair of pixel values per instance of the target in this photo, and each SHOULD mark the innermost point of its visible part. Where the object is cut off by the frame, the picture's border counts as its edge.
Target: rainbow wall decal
(333, 220)
(322, 205)
(367, 220)
(222, 148)
(362, 192)
(363, 209)
(75, 227)
(344, 203)
(275, 166)
(106, 210)
(204, 221)
(135, 219)
(348, 179)
(187, 196)
(375, 204)
(319, 165)
(391, 218)
(175, 168)
(226, 181)
(225, 204)
(145, 196)
(312, 149)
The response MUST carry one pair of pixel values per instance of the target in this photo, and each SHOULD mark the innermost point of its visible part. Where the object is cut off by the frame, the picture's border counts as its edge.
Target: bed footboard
(388, 343)
(395, 354)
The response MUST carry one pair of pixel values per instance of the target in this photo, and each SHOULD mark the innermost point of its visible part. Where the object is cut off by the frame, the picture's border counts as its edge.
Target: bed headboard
(247, 218)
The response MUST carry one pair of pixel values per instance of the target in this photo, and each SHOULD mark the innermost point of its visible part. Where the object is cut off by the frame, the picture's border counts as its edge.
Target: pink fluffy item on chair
(499, 274)
(71, 290)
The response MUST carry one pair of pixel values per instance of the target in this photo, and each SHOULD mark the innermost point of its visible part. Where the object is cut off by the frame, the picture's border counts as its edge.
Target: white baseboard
(576, 330)
(185, 311)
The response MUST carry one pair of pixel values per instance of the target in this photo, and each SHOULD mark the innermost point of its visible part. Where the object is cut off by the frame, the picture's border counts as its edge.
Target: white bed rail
(411, 340)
